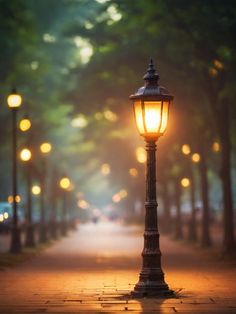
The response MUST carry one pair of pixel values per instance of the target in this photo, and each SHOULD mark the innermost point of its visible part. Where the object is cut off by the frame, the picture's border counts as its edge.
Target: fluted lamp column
(151, 108)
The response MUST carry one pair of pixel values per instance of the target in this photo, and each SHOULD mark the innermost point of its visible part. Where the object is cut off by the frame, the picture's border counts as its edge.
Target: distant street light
(14, 101)
(45, 149)
(36, 189)
(151, 107)
(26, 157)
(25, 124)
(65, 185)
(185, 182)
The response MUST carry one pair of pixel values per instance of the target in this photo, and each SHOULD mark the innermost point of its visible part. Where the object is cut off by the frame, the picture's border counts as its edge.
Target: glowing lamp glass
(151, 117)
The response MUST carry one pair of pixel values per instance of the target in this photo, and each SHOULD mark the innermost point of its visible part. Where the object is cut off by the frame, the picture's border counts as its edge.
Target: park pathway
(94, 269)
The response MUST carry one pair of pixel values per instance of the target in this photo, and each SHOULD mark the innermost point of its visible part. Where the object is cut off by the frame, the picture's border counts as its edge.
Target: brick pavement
(94, 269)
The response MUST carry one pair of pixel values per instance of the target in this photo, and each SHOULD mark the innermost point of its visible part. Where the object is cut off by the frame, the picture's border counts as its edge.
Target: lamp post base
(152, 284)
(152, 289)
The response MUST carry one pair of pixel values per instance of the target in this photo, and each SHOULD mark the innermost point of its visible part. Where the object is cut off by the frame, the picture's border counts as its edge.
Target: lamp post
(45, 149)
(65, 185)
(151, 107)
(26, 157)
(14, 101)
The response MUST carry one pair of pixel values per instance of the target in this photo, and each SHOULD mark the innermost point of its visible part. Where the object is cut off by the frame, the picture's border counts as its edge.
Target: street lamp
(45, 149)
(14, 101)
(65, 185)
(26, 157)
(151, 108)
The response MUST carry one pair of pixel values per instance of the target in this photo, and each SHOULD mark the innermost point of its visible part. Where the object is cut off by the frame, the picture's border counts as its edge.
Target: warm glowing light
(151, 117)
(45, 148)
(18, 198)
(141, 155)
(10, 199)
(186, 150)
(14, 100)
(25, 154)
(110, 115)
(105, 169)
(123, 193)
(213, 72)
(1, 218)
(196, 157)
(79, 122)
(36, 189)
(185, 182)
(65, 183)
(219, 65)
(25, 125)
(83, 204)
(133, 172)
(116, 198)
(216, 147)
(5, 215)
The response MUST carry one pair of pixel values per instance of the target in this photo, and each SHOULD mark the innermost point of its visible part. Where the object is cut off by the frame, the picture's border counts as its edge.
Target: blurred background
(75, 63)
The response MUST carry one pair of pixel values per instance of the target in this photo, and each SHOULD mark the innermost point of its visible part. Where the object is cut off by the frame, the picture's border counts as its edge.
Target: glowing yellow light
(216, 147)
(25, 125)
(65, 183)
(116, 198)
(83, 204)
(14, 100)
(105, 169)
(141, 155)
(219, 65)
(5, 215)
(36, 189)
(186, 150)
(25, 154)
(18, 198)
(213, 72)
(123, 193)
(133, 172)
(10, 199)
(185, 182)
(151, 117)
(111, 116)
(45, 148)
(79, 122)
(196, 157)
(1, 218)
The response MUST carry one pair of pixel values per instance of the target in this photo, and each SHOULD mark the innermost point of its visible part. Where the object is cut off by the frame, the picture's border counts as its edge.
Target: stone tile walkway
(94, 269)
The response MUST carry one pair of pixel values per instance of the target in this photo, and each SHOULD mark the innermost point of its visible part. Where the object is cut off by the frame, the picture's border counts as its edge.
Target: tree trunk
(205, 236)
(224, 128)
(192, 235)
